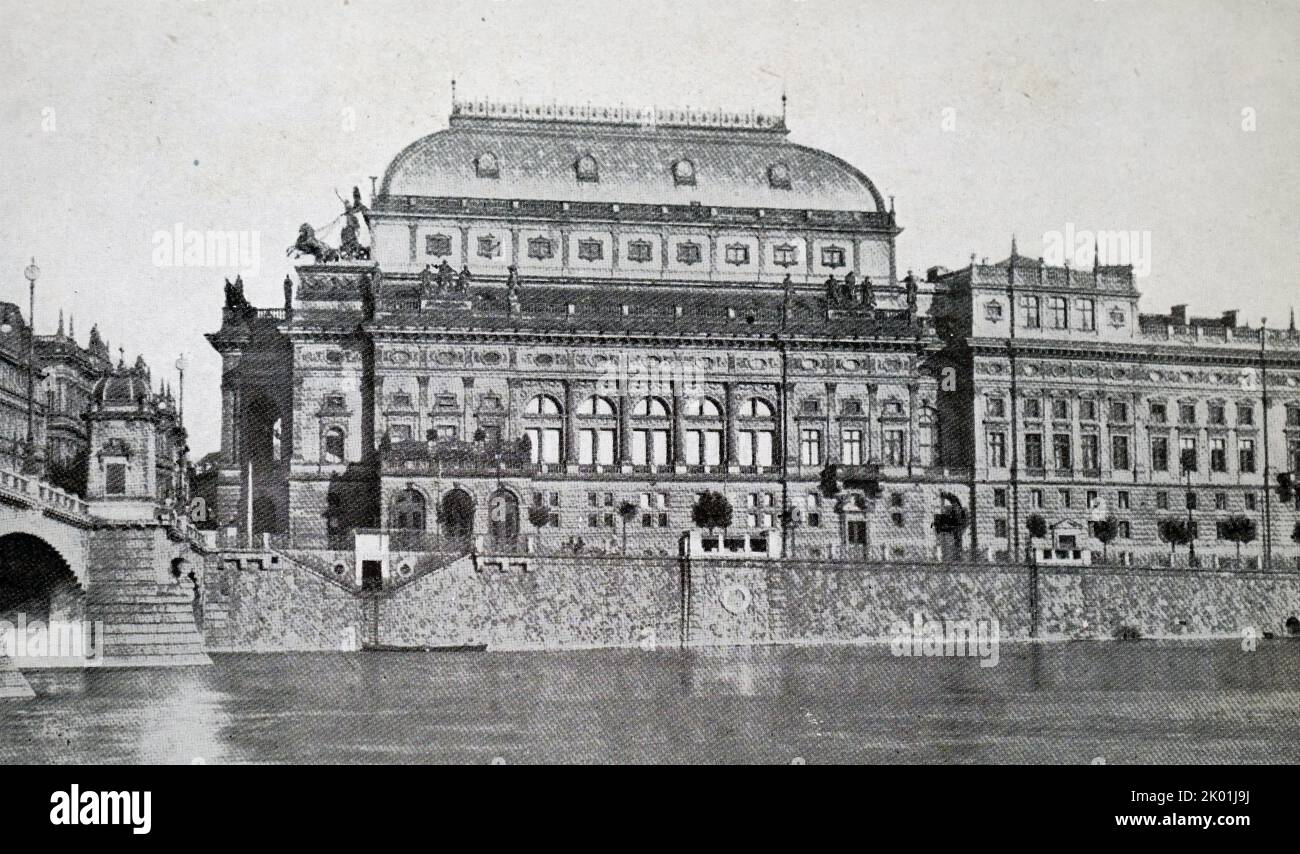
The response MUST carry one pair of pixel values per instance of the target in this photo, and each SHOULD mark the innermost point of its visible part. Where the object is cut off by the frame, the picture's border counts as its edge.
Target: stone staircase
(145, 624)
(13, 685)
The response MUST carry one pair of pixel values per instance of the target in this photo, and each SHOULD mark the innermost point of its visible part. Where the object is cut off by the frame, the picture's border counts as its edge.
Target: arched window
(650, 436)
(544, 430)
(703, 441)
(596, 405)
(598, 435)
(650, 407)
(703, 407)
(542, 404)
(408, 510)
(755, 439)
(333, 445)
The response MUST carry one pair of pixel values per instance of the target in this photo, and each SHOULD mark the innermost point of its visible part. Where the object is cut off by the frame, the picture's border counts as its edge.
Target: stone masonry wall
(517, 603)
(288, 608)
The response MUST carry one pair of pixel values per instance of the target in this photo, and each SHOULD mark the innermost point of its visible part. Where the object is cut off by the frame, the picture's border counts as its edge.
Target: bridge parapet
(35, 493)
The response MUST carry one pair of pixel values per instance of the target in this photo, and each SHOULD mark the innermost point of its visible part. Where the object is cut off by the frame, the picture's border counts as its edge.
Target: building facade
(1080, 409)
(570, 323)
(572, 319)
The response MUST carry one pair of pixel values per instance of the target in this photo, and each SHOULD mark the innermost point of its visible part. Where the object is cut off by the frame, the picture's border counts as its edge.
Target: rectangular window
(544, 444)
(1188, 459)
(1029, 312)
(596, 447)
(996, 407)
(832, 256)
(1220, 501)
(1218, 455)
(997, 450)
(1119, 458)
(1087, 410)
(650, 447)
(400, 432)
(1089, 455)
(785, 255)
(738, 254)
(1186, 413)
(754, 448)
(1034, 450)
(1058, 312)
(1000, 528)
(851, 447)
(1250, 500)
(1036, 499)
(1033, 408)
(1191, 501)
(1061, 409)
(1064, 496)
(1246, 455)
(1062, 459)
(115, 479)
(1216, 413)
(1293, 416)
(1121, 499)
(810, 447)
(688, 253)
(893, 449)
(703, 447)
(1245, 415)
(1162, 500)
(999, 497)
(1087, 312)
(1159, 453)
(1159, 412)
(1119, 412)
(640, 251)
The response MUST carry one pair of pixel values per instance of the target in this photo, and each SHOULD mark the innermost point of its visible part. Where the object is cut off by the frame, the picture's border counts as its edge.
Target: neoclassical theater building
(571, 322)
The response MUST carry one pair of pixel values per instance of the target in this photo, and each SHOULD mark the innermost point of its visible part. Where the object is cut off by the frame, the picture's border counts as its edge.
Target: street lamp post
(31, 274)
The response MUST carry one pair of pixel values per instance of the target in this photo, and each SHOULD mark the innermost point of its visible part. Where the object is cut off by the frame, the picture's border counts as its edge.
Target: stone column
(570, 426)
(912, 427)
(413, 244)
(679, 437)
(871, 422)
(733, 458)
(468, 384)
(832, 435)
(624, 427)
(422, 408)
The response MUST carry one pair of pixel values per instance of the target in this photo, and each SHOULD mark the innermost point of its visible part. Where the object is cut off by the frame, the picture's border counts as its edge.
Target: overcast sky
(983, 118)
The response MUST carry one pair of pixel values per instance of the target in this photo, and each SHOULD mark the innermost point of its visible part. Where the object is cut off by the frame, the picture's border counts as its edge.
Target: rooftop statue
(309, 244)
(512, 290)
(350, 247)
(463, 280)
(912, 290)
(851, 292)
(446, 277)
(868, 293)
(235, 299)
(428, 281)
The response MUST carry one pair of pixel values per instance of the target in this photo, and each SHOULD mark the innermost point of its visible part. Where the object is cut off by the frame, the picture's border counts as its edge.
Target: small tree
(1174, 531)
(1105, 530)
(952, 519)
(712, 510)
(1238, 529)
(626, 512)
(1036, 527)
(539, 516)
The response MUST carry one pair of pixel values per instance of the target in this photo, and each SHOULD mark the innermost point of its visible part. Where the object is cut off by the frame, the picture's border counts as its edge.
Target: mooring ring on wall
(735, 599)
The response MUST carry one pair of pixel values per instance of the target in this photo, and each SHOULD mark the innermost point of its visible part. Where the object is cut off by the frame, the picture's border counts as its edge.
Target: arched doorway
(456, 515)
(503, 519)
(36, 582)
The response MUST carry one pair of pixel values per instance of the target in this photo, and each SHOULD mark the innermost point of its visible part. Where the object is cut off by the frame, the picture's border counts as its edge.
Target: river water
(1113, 702)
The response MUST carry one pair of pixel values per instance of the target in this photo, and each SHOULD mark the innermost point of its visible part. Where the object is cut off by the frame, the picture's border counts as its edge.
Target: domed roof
(121, 388)
(617, 155)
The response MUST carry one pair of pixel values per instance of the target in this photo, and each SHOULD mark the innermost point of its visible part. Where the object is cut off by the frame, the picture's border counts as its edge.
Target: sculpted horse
(309, 244)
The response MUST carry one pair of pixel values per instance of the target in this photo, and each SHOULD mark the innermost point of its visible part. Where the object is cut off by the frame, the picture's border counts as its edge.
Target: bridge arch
(68, 541)
(37, 581)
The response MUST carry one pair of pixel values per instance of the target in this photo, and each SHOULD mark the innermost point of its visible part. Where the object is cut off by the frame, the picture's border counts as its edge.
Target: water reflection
(1068, 702)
